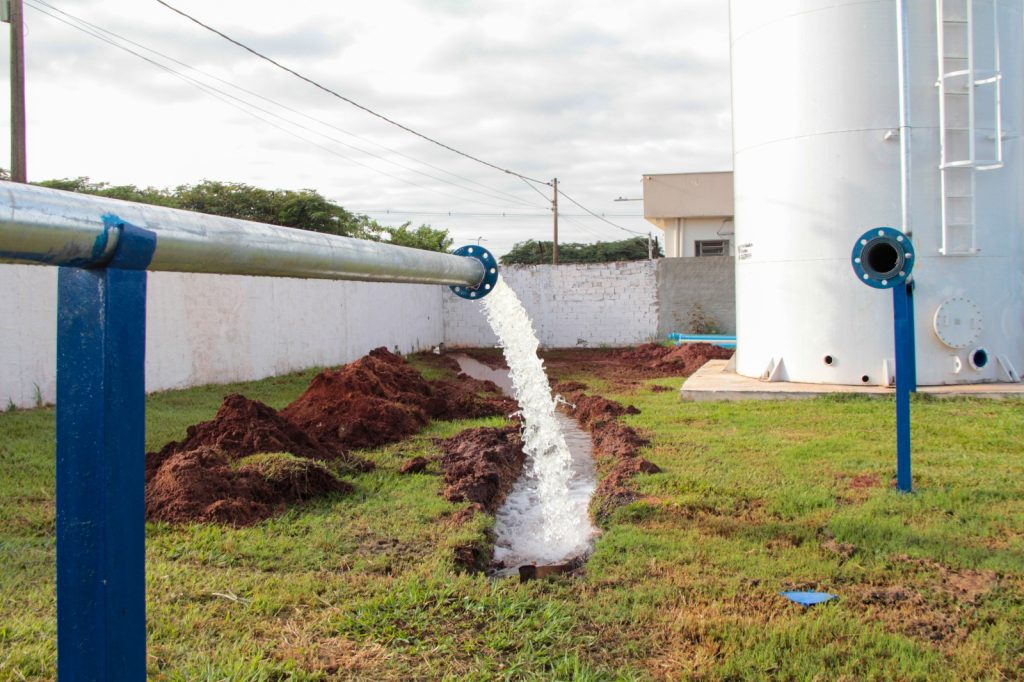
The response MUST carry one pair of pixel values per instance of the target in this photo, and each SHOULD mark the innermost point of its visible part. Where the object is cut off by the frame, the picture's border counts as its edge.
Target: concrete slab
(715, 381)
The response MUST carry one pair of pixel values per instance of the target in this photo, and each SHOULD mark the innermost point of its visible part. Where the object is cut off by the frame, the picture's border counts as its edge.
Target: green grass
(755, 498)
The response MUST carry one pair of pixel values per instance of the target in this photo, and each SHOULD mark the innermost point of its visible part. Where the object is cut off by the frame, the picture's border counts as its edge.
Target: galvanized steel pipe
(43, 225)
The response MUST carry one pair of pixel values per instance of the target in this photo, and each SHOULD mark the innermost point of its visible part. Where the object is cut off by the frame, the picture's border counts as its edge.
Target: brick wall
(708, 282)
(579, 305)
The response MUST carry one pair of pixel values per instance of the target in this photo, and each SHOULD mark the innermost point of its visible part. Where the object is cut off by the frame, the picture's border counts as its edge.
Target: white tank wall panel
(815, 92)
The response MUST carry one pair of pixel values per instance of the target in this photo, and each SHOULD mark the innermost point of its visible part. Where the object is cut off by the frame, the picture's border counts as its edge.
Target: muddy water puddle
(519, 522)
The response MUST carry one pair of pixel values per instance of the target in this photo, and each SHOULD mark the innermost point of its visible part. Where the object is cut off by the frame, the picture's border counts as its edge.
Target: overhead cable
(226, 97)
(493, 192)
(334, 93)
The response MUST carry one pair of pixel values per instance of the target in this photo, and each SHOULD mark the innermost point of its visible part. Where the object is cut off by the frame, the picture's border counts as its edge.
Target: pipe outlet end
(490, 272)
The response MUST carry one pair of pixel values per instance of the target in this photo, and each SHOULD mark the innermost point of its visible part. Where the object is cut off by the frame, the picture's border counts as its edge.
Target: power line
(196, 83)
(224, 97)
(599, 217)
(300, 113)
(344, 98)
(506, 214)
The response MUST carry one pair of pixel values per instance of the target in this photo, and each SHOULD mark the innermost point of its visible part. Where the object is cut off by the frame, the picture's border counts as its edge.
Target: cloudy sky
(593, 92)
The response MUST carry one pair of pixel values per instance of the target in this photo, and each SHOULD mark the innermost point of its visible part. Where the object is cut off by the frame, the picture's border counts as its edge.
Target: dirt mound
(222, 472)
(202, 485)
(593, 409)
(566, 387)
(622, 367)
(613, 441)
(416, 465)
(652, 359)
(244, 427)
(480, 465)
(380, 399)
(462, 399)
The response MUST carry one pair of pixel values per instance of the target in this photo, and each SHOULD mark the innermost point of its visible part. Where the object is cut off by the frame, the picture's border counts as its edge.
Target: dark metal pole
(19, 163)
(554, 211)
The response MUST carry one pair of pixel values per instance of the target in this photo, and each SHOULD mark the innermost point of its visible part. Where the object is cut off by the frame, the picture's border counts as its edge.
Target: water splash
(549, 461)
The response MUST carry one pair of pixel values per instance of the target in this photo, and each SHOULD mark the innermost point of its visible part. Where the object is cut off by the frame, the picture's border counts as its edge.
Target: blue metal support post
(906, 379)
(883, 258)
(101, 340)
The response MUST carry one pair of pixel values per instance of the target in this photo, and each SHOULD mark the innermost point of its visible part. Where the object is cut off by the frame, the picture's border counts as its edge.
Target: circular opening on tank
(979, 358)
(881, 259)
(829, 360)
(865, 379)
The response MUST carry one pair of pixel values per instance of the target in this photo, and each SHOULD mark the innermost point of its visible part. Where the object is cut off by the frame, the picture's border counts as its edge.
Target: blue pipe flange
(490, 264)
(883, 257)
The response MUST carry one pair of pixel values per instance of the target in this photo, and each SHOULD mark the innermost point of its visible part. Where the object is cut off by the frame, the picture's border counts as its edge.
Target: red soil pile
(616, 443)
(416, 465)
(480, 465)
(380, 399)
(202, 485)
(655, 360)
(244, 427)
(621, 367)
(377, 399)
(591, 409)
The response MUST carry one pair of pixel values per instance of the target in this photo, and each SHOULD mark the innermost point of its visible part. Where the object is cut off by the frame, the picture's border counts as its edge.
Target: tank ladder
(970, 101)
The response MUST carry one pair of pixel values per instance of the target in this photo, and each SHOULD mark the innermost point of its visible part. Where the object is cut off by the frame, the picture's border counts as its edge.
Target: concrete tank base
(716, 380)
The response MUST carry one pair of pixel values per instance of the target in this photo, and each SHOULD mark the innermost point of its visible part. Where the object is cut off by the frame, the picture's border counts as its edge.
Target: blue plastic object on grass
(808, 598)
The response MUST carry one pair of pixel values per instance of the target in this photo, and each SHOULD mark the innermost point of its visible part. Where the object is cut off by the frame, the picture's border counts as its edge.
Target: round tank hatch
(957, 322)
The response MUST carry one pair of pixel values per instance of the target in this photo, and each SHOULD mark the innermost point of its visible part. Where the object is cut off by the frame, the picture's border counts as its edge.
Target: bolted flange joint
(490, 278)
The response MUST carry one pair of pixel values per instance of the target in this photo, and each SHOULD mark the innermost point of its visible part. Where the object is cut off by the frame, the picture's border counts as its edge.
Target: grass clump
(294, 478)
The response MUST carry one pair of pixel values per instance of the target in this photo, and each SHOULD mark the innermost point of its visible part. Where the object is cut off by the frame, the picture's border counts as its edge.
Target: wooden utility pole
(554, 211)
(19, 161)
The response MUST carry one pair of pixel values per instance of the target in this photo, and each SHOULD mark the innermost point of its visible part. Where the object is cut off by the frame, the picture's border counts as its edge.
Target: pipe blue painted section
(903, 318)
(101, 586)
(723, 340)
(883, 258)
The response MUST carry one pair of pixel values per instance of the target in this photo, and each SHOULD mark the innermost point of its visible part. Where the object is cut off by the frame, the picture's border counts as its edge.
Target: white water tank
(818, 160)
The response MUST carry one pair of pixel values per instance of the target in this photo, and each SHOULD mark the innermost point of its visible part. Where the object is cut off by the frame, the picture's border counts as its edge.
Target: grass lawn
(755, 498)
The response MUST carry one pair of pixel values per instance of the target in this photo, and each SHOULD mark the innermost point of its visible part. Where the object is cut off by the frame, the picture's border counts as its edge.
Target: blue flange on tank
(490, 264)
(883, 258)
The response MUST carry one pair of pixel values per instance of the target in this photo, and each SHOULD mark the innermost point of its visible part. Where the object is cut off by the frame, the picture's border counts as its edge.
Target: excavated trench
(519, 540)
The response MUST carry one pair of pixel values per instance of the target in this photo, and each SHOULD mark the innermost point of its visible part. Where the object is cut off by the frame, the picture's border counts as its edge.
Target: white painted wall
(681, 234)
(613, 304)
(205, 329)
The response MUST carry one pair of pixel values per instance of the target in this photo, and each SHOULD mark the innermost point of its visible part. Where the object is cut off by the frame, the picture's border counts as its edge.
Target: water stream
(519, 524)
(545, 518)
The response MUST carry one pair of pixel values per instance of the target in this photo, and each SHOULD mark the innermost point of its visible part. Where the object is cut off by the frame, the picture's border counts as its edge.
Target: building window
(711, 247)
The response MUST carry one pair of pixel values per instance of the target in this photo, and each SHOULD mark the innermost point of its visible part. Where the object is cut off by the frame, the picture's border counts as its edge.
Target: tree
(533, 252)
(305, 209)
(423, 237)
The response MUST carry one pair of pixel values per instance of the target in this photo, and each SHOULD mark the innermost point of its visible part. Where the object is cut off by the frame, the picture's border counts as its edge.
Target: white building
(695, 210)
